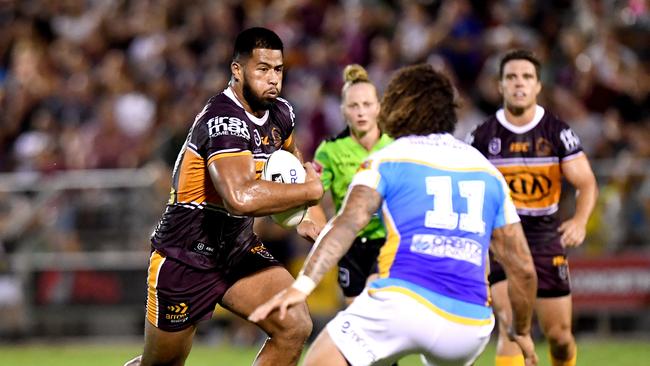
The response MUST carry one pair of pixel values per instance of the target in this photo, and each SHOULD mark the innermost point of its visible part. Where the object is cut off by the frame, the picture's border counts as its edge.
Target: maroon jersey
(529, 157)
(196, 229)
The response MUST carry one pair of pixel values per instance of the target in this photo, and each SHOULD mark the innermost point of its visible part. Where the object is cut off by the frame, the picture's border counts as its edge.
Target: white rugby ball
(284, 167)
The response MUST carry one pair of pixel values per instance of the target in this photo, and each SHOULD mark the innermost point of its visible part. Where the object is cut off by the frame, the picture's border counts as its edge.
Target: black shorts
(357, 264)
(552, 274)
(179, 295)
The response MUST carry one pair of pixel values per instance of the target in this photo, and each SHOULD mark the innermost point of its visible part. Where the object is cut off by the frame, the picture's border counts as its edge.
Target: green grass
(591, 352)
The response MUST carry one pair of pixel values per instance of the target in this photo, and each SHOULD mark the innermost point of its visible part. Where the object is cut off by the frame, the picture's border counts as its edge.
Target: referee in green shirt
(339, 158)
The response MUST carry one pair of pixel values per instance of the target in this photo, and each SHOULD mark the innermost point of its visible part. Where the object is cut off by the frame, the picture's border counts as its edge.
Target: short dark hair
(418, 101)
(256, 37)
(520, 55)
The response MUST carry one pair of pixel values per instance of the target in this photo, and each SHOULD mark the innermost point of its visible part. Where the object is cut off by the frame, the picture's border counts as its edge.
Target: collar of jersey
(539, 113)
(258, 121)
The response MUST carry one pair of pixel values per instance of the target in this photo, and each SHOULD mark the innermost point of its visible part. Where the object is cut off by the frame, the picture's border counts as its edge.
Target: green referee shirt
(340, 158)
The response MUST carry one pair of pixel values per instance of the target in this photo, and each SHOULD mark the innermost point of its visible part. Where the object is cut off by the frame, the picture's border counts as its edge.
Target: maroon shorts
(552, 274)
(179, 295)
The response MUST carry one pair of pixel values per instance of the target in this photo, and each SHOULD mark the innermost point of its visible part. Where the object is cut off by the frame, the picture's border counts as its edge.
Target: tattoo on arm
(337, 237)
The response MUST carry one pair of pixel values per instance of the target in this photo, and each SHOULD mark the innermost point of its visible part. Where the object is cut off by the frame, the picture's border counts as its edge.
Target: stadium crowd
(89, 84)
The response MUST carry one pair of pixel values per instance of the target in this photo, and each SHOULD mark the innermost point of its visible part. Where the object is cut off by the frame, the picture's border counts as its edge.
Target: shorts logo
(177, 313)
(228, 126)
(346, 328)
(562, 265)
(203, 248)
(344, 277)
(494, 147)
(262, 252)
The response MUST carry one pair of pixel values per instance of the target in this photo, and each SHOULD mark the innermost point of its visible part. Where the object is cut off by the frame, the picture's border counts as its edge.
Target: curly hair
(418, 101)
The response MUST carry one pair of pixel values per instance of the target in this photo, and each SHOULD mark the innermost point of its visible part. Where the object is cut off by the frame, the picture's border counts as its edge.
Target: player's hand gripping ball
(283, 167)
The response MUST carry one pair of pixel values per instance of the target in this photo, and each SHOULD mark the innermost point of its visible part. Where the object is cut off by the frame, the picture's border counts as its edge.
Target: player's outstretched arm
(578, 172)
(234, 179)
(331, 245)
(510, 248)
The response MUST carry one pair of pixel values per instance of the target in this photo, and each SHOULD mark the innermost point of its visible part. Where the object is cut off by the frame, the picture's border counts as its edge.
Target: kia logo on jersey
(528, 187)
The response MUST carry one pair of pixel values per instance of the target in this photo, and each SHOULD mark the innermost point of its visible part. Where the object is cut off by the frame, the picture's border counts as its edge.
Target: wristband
(304, 284)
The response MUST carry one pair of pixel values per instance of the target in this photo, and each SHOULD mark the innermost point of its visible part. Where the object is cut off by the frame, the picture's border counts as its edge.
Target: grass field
(591, 353)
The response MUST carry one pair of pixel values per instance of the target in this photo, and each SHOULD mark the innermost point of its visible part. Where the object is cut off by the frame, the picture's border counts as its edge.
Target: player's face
(519, 84)
(361, 107)
(261, 77)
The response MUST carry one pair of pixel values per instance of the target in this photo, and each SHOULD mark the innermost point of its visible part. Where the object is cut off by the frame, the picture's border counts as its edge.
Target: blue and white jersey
(441, 201)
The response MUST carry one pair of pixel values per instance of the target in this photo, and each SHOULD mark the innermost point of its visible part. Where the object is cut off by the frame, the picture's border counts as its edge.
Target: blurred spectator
(116, 84)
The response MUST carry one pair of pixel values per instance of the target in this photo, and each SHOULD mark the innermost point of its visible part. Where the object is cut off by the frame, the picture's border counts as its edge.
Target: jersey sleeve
(370, 176)
(474, 139)
(226, 136)
(286, 121)
(506, 211)
(567, 142)
(324, 165)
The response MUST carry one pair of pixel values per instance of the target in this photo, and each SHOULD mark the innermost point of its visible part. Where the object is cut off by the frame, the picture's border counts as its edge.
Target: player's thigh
(166, 348)
(356, 265)
(323, 352)
(554, 314)
(255, 289)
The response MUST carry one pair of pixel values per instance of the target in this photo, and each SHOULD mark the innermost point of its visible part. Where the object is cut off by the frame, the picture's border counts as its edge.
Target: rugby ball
(284, 167)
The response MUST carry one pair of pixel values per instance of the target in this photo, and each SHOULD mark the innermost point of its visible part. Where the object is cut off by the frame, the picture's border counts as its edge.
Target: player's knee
(560, 336)
(295, 327)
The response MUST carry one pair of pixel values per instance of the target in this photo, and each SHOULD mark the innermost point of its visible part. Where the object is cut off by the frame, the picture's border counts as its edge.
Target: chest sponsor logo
(519, 147)
(257, 138)
(276, 137)
(543, 147)
(228, 126)
(528, 186)
(462, 249)
(494, 147)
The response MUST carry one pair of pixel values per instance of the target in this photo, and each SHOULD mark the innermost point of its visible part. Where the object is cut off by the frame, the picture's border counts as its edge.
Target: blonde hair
(354, 74)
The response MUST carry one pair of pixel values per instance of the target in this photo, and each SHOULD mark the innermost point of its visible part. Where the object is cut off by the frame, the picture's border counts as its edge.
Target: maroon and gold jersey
(529, 157)
(196, 229)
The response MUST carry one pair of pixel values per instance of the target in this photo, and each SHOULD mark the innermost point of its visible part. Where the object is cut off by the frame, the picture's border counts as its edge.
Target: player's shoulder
(487, 124)
(553, 122)
(482, 130)
(219, 105)
(284, 110)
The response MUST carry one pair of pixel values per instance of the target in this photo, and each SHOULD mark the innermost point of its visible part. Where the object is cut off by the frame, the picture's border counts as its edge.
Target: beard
(255, 102)
(516, 111)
